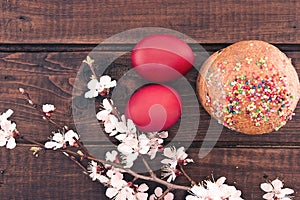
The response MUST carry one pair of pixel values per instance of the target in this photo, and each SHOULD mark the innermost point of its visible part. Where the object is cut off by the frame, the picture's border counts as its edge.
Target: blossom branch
(36, 107)
(139, 176)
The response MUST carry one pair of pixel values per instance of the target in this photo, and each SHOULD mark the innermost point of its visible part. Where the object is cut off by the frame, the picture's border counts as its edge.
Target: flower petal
(169, 196)
(268, 196)
(53, 145)
(267, 187)
(158, 191)
(287, 191)
(277, 184)
(143, 187)
(111, 192)
(69, 137)
(221, 181)
(11, 143)
(103, 179)
(58, 137)
(169, 152)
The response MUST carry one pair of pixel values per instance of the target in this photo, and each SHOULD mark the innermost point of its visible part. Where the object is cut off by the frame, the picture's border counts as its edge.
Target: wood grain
(79, 22)
(54, 176)
(49, 77)
(43, 43)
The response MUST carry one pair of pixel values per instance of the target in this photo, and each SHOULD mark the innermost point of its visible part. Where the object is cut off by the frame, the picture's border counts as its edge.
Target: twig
(72, 158)
(36, 107)
(60, 150)
(148, 167)
(92, 68)
(82, 147)
(164, 194)
(114, 110)
(187, 176)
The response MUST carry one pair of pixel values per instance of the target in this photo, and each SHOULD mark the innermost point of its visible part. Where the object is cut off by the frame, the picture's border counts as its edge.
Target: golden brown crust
(250, 86)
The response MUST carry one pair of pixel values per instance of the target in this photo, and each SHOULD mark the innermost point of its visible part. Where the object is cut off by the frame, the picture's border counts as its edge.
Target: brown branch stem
(148, 167)
(152, 178)
(164, 194)
(187, 176)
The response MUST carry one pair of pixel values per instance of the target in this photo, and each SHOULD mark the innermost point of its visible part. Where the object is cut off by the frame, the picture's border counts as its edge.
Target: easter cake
(250, 87)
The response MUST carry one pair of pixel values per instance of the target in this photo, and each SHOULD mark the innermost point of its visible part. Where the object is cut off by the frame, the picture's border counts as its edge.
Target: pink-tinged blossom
(97, 87)
(218, 190)
(175, 157)
(133, 146)
(118, 188)
(275, 191)
(94, 170)
(106, 110)
(158, 192)
(61, 140)
(156, 141)
(7, 130)
(125, 128)
(48, 109)
(170, 173)
(112, 156)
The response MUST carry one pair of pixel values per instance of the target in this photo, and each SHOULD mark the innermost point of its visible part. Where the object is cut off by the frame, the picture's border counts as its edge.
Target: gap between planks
(4, 47)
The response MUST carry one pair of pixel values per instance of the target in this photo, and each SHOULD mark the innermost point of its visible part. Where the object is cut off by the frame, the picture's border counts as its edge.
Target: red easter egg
(154, 107)
(162, 58)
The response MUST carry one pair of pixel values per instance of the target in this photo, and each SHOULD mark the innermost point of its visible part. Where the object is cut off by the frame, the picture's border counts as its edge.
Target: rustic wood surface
(43, 44)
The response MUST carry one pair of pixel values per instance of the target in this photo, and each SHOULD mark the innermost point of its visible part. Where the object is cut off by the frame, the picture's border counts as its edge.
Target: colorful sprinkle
(259, 95)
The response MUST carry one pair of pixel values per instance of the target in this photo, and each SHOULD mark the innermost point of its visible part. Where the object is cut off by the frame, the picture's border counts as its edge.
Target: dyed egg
(154, 107)
(162, 58)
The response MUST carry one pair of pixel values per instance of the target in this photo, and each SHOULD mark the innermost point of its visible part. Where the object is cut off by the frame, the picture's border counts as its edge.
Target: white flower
(97, 87)
(141, 191)
(104, 114)
(7, 130)
(119, 188)
(60, 140)
(131, 147)
(199, 192)
(276, 191)
(156, 142)
(48, 108)
(112, 156)
(169, 172)
(110, 125)
(93, 170)
(158, 192)
(214, 191)
(175, 157)
(125, 128)
(124, 192)
(6, 115)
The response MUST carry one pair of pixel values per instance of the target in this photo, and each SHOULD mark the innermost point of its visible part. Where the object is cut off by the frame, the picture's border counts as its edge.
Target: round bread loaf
(250, 87)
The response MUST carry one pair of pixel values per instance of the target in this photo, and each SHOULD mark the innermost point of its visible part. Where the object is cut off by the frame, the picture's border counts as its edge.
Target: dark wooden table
(43, 44)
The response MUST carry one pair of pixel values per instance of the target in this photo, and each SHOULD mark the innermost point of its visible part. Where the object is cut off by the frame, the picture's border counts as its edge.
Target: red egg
(154, 107)
(162, 58)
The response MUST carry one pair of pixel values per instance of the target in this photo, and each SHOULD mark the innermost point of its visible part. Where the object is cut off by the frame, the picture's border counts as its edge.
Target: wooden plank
(205, 21)
(49, 77)
(54, 176)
